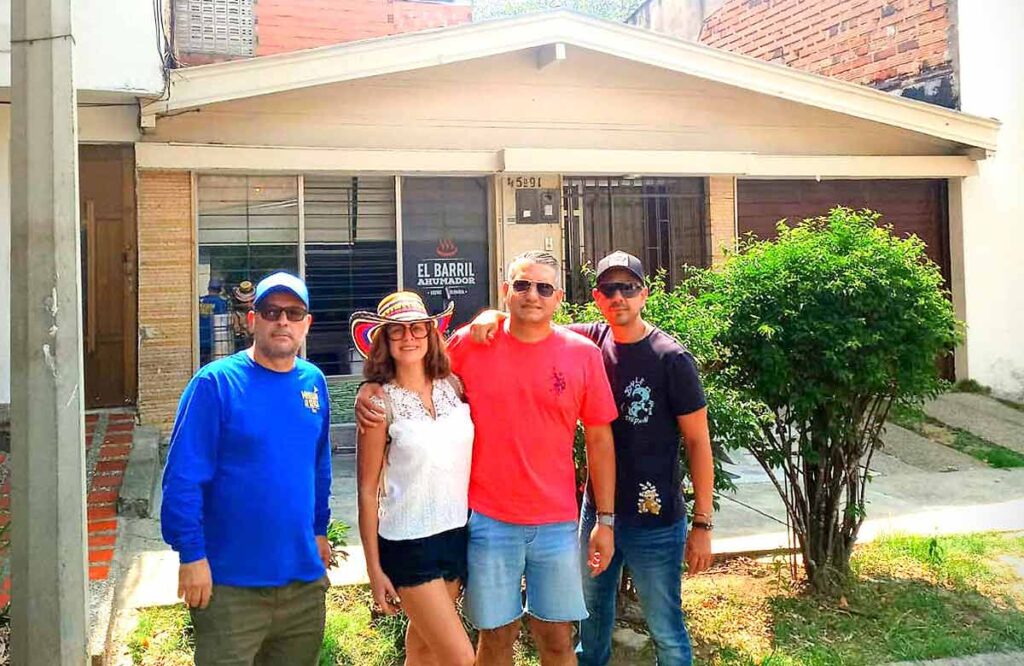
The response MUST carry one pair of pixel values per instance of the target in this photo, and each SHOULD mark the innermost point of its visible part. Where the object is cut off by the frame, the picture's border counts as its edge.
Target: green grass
(996, 456)
(914, 598)
(353, 635)
(910, 418)
(914, 419)
(163, 636)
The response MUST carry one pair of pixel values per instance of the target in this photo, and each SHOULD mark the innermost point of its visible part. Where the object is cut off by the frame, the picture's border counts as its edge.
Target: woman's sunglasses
(419, 330)
(627, 289)
(544, 290)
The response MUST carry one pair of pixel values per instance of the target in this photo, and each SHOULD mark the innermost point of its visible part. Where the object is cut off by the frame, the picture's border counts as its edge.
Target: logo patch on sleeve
(311, 400)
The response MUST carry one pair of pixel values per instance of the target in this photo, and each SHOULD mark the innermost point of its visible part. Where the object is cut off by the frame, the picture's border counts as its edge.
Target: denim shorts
(501, 554)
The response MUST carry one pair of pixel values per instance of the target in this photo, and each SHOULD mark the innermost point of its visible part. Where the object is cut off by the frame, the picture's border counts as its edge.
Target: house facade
(427, 160)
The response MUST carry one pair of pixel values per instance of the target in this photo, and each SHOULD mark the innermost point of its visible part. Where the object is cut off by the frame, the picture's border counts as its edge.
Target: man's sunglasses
(544, 289)
(419, 330)
(273, 313)
(627, 289)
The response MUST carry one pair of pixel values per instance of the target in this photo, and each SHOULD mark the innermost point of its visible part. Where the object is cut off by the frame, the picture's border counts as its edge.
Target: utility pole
(48, 547)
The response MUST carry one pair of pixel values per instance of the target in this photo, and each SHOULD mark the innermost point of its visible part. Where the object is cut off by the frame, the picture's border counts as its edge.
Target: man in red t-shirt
(526, 391)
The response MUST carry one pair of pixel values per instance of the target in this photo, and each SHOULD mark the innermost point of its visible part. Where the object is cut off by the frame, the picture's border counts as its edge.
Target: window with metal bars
(659, 220)
(351, 260)
(248, 228)
(215, 27)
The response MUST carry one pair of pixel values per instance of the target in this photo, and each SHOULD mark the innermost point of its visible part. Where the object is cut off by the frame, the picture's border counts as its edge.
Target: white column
(48, 563)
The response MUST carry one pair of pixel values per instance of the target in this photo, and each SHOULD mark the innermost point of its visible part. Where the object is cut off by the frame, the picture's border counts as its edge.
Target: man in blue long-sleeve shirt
(246, 491)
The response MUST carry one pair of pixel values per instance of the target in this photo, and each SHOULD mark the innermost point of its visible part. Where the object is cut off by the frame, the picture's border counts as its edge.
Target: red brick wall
(894, 45)
(292, 25)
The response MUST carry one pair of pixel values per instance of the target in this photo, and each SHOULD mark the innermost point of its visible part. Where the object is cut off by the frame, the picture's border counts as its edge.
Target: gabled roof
(208, 84)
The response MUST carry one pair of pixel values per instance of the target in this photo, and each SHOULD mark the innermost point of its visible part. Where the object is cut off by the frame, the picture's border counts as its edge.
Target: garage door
(911, 206)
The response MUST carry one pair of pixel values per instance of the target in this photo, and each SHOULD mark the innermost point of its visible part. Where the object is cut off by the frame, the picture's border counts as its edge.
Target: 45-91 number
(523, 181)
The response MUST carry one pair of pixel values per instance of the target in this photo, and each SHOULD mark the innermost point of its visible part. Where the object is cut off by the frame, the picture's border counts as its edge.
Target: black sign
(444, 243)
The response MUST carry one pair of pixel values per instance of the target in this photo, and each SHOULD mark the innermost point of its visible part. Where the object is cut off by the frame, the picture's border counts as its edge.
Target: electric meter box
(536, 206)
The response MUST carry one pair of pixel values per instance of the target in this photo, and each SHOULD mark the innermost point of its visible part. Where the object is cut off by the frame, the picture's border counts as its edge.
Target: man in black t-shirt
(660, 399)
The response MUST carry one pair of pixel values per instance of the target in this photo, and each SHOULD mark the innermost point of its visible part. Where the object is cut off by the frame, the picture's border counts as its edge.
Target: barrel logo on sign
(446, 247)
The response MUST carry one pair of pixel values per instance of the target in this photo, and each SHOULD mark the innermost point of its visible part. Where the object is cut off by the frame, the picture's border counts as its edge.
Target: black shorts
(416, 561)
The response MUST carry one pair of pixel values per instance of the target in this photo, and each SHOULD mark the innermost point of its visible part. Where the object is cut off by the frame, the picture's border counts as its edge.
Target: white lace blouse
(426, 480)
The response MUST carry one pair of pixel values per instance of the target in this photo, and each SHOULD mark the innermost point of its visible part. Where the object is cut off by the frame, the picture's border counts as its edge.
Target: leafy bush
(828, 326)
(337, 536)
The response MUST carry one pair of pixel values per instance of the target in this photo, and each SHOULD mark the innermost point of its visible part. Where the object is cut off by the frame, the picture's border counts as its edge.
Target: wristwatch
(701, 525)
(606, 519)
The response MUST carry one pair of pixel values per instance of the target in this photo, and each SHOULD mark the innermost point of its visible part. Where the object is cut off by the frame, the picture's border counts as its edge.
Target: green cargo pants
(261, 626)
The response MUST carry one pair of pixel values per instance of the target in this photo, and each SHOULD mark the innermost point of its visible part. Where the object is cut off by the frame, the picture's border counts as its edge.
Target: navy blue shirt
(248, 474)
(654, 380)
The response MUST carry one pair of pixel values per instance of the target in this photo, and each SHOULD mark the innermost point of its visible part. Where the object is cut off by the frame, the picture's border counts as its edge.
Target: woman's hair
(379, 367)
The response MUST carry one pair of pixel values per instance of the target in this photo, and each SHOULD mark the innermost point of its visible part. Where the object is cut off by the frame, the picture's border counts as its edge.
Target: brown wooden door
(107, 196)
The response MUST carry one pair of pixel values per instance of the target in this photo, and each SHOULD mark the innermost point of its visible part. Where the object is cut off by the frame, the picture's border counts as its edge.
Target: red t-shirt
(526, 399)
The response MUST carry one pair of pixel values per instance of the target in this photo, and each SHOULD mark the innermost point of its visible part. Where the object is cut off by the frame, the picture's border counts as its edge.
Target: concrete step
(136, 497)
(924, 454)
(343, 437)
(981, 416)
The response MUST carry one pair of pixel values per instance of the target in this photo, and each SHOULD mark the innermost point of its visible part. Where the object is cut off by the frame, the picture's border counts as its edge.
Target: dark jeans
(246, 626)
(655, 560)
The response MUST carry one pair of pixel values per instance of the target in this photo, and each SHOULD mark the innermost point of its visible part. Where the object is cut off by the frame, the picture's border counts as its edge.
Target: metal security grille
(214, 27)
(659, 220)
(351, 259)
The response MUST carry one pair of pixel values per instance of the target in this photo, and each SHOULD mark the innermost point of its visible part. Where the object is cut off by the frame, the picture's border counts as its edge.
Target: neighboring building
(907, 47)
(964, 55)
(214, 30)
(117, 60)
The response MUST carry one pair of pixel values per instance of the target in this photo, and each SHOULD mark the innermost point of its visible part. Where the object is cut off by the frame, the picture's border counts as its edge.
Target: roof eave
(209, 84)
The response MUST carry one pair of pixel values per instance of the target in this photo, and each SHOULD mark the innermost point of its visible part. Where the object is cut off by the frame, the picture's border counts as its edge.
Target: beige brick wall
(721, 216)
(166, 265)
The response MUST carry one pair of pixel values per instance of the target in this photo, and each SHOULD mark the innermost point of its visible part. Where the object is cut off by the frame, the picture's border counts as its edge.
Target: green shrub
(828, 326)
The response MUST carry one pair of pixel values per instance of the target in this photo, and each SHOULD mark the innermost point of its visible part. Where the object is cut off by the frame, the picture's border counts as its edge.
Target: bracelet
(702, 525)
(701, 513)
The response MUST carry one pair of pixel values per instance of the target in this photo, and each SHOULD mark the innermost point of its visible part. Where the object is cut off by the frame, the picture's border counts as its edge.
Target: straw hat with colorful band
(245, 292)
(401, 307)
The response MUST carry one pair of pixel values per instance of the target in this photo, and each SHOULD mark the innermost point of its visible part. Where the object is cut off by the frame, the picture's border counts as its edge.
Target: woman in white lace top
(413, 477)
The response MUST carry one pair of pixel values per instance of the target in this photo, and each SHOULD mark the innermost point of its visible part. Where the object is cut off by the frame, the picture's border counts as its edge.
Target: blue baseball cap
(281, 282)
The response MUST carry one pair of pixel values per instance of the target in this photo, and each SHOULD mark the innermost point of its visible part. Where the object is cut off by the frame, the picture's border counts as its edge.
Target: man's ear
(250, 320)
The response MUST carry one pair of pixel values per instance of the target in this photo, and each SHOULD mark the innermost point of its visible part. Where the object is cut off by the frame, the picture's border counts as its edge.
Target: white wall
(116, 46)
(992, 84)
(5, 256)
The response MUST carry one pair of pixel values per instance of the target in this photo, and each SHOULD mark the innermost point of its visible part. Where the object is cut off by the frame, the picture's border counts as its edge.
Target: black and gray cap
(620, 259)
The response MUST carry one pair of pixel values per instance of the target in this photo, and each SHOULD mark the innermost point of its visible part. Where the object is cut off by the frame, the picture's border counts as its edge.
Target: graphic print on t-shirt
(637, 406)
(557, 381)
(649, 500)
